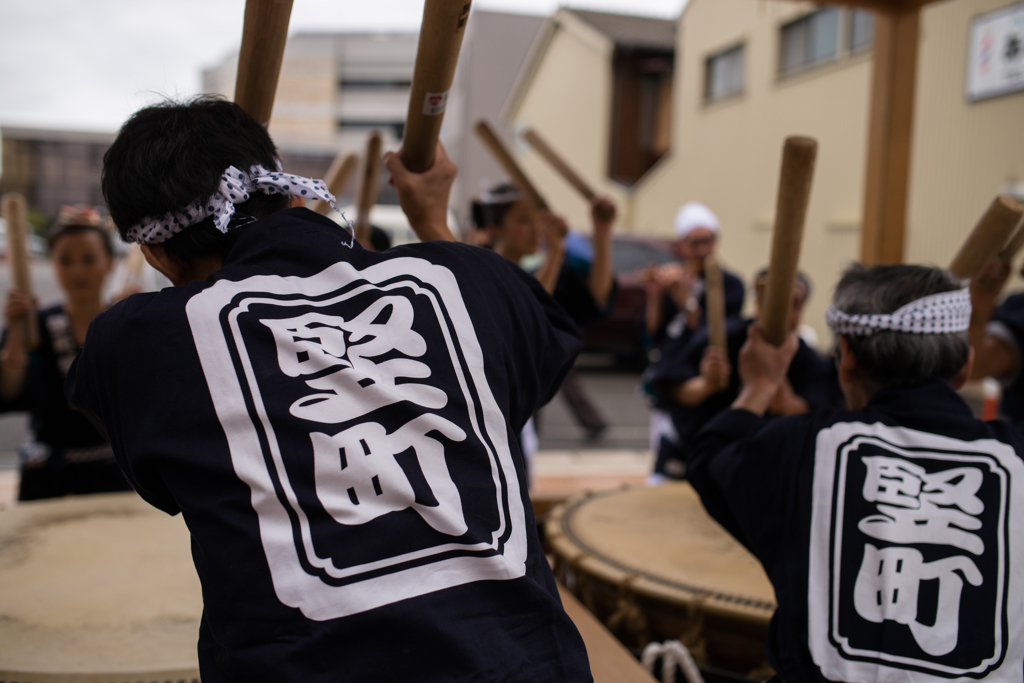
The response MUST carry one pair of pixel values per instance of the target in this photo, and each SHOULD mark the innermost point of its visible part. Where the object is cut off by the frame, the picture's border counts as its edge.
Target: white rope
(672, 653)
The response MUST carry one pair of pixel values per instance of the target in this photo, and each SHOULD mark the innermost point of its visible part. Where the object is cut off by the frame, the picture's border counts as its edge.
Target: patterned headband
(945, 313)
(235, 188)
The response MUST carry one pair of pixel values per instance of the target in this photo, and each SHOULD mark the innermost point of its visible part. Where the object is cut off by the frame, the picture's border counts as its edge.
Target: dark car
(621, 333)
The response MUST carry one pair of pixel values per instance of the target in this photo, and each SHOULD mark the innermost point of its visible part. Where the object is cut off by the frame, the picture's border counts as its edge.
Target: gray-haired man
(893, 532)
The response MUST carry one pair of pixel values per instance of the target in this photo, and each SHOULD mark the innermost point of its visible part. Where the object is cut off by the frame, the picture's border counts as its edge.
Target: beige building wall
(964, 153)
(568, 103)
(727, 154)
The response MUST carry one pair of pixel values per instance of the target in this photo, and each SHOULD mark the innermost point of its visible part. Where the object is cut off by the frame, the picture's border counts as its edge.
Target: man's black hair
(58, 231)
(487, 214)
(172, 154)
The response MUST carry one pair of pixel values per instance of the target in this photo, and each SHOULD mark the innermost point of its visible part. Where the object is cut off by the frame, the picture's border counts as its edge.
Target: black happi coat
(337, 427)
(572, 291)
(893, 535)
(680, 361)
(1010, 315)
(67, 454)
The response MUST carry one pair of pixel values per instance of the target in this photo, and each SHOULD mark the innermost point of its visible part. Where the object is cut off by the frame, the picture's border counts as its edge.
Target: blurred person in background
(695, 381)
(675, 291)
(66, 454)
(585, 288)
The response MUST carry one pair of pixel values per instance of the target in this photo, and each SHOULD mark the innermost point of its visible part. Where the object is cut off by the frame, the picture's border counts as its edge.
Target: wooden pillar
(890, 135)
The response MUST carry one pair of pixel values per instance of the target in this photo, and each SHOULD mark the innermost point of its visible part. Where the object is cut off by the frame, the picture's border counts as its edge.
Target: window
(724, 74)
(862, 30)
(641, 111)
(810, 40)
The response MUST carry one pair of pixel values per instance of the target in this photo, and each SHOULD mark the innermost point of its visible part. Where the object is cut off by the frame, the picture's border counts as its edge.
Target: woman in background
(66, 453)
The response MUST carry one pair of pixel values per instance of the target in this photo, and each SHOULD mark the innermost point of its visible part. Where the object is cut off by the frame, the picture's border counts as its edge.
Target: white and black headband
(945, 313)
(235, 188)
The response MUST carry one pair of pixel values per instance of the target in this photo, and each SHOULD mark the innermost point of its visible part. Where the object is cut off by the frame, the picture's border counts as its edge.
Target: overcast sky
(87, 64)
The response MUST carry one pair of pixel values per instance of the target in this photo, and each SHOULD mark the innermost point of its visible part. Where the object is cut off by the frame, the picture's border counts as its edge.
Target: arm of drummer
(553, 229)
(14, 354)
(715, 371)
(993, 357)
(424, 196)
(762, 369)
(601, 279)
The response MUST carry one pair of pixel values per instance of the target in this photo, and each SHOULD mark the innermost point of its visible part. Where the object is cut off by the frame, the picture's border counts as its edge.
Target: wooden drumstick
(337, 178)
(714, 312)
(563, 167)
(14, 212)
(505, 158)
(987, 239)
(259, 62)
(559, 164)
(444, 25)
(798, 156)
(368, 188)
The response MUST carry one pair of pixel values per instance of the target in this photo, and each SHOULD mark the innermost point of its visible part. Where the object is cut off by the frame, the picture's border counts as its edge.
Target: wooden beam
(890, 135)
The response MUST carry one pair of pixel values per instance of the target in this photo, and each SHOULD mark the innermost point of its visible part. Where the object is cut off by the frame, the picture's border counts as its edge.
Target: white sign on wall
(995, 64)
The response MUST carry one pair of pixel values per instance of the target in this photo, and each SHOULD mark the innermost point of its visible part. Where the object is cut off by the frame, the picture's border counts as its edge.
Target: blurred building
(750, 73)
(335, 88)
(53, 167)
(598, 87)
(493, 51)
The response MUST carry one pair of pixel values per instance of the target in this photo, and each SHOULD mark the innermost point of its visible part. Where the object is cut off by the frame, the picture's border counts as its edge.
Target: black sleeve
(572, 291)
(744, 470)
(541, 340)
(22, 401)
(735, 293)
(679, 360)
(91, 386)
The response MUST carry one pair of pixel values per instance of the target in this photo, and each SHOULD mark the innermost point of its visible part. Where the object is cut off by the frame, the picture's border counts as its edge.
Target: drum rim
(717, 601)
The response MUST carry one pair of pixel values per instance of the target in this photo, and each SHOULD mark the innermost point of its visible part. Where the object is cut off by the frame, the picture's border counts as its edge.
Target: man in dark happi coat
(336, 425)
(892, 532)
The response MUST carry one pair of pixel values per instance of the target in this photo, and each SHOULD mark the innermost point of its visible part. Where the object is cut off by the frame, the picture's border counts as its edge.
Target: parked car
(621, 333)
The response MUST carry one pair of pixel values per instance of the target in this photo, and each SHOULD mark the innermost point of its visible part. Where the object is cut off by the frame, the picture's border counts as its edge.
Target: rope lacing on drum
(628, 615)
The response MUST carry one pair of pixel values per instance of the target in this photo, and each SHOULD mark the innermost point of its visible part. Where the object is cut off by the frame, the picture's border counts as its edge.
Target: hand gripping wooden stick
(444, 25)
(798, 156)
(15, 212)
(368, 188)
(714, 299)
(508, 162)
(259, 62)
(989, 236)
(337, 178)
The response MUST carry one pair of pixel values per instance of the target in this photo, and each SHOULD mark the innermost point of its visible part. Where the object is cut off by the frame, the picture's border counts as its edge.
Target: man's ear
(965, 372)
(849, 371)
(177, 271)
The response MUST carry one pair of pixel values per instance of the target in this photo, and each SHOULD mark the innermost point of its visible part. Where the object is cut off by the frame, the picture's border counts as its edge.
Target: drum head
(97, 588)
(662, 542)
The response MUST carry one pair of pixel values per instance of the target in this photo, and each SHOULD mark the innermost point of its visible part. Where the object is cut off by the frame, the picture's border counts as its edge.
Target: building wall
(52, 168)
(493, 51)
(963, 153)
(569, 104)
(727, 154)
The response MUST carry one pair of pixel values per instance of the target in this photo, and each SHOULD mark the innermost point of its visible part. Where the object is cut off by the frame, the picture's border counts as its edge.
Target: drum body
(653, 566)
(97, 589)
